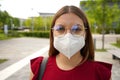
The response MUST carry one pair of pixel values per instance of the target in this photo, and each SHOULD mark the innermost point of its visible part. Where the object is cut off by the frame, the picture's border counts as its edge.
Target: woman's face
(68, 22)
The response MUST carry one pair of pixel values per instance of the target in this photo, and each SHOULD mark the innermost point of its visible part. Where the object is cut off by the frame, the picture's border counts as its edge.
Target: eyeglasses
(75, 30)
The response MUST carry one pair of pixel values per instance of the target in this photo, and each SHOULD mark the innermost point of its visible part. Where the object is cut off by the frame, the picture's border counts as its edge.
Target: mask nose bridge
(68, 37)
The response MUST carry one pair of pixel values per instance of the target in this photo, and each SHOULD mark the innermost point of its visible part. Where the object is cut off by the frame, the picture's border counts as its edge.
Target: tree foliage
(39, 23)
(102, 13)
(6, 19)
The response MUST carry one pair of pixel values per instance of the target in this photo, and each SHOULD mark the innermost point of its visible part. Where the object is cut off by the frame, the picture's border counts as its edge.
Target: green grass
(2, 60)
(3, 36)
(101, 50)
(116, 45)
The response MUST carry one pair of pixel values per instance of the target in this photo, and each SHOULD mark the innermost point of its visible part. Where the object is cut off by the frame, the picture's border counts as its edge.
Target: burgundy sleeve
(35, 66)
(103, 70)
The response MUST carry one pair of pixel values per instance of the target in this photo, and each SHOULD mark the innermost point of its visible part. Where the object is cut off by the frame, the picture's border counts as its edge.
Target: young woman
(71, 53)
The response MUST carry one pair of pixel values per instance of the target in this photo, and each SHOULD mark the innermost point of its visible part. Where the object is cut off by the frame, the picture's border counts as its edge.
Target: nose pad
(68, 31)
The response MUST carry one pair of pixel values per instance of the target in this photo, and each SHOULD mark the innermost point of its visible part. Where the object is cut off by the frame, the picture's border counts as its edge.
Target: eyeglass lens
(75, 29)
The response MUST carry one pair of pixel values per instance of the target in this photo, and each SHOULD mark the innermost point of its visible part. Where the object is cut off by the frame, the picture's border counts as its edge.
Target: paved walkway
(15, 50)
(21, 48)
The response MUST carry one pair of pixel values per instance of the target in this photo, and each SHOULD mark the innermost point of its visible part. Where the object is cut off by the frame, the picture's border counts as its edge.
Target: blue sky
(27, 8)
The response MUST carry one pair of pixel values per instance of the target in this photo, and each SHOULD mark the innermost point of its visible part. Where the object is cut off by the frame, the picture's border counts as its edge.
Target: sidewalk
(106, 56)
(19, 48)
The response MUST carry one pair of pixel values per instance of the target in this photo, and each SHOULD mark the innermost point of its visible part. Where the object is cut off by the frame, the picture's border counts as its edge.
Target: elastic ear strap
(42, 67)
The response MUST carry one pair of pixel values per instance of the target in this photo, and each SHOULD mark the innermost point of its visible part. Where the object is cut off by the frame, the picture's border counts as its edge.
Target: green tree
(103, 13)
(4, 18)
(27, 23)
(49, 21)
(16, 22)
(38, 23)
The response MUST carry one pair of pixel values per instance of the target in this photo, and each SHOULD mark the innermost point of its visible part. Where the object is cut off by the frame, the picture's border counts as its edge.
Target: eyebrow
(78, 24)
(71, 26)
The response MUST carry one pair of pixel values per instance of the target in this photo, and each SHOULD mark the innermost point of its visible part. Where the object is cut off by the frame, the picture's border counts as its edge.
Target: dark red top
(89, 70)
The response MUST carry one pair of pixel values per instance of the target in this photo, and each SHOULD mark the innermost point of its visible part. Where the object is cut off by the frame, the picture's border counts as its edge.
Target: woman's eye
(76, 28)
(59, 28)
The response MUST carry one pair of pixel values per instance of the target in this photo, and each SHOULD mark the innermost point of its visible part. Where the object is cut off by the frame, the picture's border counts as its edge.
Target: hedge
(42, 34)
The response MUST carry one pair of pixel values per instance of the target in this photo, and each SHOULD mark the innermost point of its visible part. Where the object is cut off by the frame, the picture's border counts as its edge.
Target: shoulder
(35, 64)
(36, 60)
(102, 70)
(105, 65)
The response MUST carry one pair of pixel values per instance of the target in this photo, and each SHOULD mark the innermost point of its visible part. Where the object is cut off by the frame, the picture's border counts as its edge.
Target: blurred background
(25, 26)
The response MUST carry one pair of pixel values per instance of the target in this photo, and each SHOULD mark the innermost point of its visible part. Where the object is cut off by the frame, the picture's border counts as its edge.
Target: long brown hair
(88, 50)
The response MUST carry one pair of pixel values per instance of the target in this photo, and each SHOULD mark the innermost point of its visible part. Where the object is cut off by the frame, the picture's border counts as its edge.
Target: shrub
(42, 34)
(11, 34)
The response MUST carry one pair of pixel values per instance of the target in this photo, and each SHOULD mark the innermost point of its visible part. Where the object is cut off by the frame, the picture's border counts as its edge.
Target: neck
(66, 64)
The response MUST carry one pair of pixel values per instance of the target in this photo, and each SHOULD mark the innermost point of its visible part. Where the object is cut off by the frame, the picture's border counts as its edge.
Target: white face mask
(69, 45)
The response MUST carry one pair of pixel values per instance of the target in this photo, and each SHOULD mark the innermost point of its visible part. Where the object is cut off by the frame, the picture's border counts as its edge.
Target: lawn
(116, 44)
(3, 36)
(2, 60)
(101, 50)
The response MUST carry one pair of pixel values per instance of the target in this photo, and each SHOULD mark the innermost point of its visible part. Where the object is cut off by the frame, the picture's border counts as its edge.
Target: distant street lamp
(103, 25)
(6, 29)
(11, 22)
(0, 5)
(45, 23)
(32, 22)
(95, 27)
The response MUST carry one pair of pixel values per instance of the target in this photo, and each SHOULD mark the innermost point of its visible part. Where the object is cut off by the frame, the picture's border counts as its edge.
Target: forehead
(69, 19)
